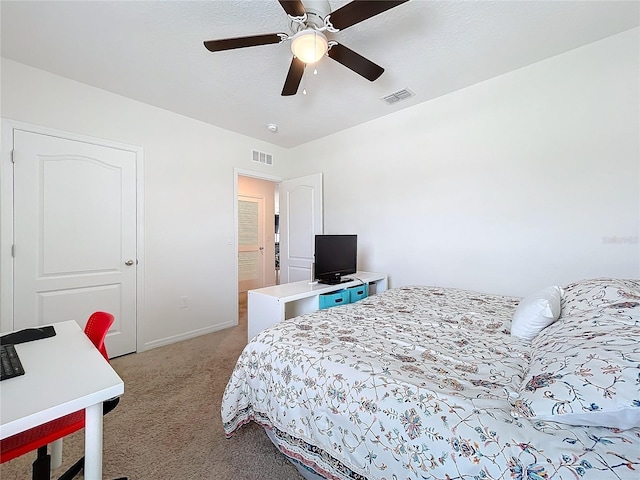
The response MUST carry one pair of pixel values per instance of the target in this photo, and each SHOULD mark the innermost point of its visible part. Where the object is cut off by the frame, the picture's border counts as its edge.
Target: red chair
(39, 437)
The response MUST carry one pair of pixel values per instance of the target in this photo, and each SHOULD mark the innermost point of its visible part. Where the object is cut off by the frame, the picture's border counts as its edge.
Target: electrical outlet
(184, 302)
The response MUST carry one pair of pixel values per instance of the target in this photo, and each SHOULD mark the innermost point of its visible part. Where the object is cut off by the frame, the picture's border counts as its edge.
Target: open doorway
(297, 202)
(256, 233)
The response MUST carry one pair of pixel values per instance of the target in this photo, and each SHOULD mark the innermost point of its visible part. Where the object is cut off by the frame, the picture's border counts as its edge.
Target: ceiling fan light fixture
(309, 45)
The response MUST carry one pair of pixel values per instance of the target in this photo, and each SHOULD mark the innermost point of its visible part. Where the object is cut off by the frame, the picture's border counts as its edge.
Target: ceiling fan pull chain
(304, 83)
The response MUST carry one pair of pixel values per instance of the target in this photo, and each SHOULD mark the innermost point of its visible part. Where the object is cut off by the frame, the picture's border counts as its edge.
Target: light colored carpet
(168, 426)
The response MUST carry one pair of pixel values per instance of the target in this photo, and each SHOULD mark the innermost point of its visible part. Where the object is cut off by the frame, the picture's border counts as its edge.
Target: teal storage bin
(358, 293)
(328, 300)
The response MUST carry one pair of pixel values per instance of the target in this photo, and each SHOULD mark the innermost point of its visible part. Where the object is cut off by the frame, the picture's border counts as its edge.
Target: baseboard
(187, 335)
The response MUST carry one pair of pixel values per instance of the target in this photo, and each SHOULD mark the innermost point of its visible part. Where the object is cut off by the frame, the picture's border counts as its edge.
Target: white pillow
(536, 312)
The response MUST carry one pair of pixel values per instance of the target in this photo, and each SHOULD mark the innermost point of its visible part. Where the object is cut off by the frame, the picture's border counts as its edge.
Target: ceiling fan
(309, 19)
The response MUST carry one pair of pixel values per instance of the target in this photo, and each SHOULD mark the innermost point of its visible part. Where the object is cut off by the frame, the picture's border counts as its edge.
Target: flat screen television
(335, 256)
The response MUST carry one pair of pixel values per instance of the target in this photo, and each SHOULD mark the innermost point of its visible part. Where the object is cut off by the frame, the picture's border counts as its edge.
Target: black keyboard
(10, 364)
(27, 335)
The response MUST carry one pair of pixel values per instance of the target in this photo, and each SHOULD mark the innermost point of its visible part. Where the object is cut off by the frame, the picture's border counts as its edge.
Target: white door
(251, 254)
(300, 221)
(74, 234)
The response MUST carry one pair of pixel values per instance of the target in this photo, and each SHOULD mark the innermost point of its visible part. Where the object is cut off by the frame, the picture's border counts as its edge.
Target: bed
(440, 383)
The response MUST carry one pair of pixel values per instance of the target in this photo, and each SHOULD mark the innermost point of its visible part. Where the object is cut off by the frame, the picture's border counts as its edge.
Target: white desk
(270, 305)
(63, 374)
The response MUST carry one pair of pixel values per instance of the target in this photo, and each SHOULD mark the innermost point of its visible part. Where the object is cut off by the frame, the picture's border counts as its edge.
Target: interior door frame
(6, 217)
(240, 172)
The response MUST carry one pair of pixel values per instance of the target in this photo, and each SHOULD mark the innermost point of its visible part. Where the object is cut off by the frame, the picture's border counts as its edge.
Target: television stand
(270, 305)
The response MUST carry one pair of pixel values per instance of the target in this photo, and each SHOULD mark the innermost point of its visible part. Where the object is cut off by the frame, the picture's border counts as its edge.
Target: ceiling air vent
(395, 97)
(262, 157)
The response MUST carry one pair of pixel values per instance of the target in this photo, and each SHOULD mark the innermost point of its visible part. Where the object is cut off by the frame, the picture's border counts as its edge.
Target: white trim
(250, 173)
(6, 217)
(188, 335)
(6, 229)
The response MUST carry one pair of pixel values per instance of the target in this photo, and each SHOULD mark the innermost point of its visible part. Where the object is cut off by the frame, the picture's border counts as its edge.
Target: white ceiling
(152, 51)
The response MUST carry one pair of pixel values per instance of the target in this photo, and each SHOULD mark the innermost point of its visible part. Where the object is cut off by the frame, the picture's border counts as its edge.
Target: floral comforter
(412, 383)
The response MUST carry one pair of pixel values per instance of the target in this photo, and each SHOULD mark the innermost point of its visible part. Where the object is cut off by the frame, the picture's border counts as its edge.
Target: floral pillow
(618, 298)
(584, 373)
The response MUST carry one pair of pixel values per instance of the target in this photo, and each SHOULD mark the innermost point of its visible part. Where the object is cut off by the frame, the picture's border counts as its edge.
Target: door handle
(128, 263)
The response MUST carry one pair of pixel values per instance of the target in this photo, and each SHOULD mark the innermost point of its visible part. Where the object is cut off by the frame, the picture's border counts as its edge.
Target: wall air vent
(261, 157)
(395, 97)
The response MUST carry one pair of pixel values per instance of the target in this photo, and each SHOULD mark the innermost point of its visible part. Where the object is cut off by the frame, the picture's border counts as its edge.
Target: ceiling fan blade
(355, 62)
(359, 10)
(294, 77)
(293, 7)
(241, 42)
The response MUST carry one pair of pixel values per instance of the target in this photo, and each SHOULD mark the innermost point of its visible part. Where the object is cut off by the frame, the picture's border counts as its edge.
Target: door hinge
(13, 250)
(13, 156)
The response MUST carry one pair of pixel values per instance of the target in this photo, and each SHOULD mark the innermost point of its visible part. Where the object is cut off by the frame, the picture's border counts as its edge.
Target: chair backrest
(96, 329)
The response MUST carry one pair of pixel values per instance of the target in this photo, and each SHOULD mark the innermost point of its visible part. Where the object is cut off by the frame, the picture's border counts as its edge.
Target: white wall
(189, 199)
(525, 180)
